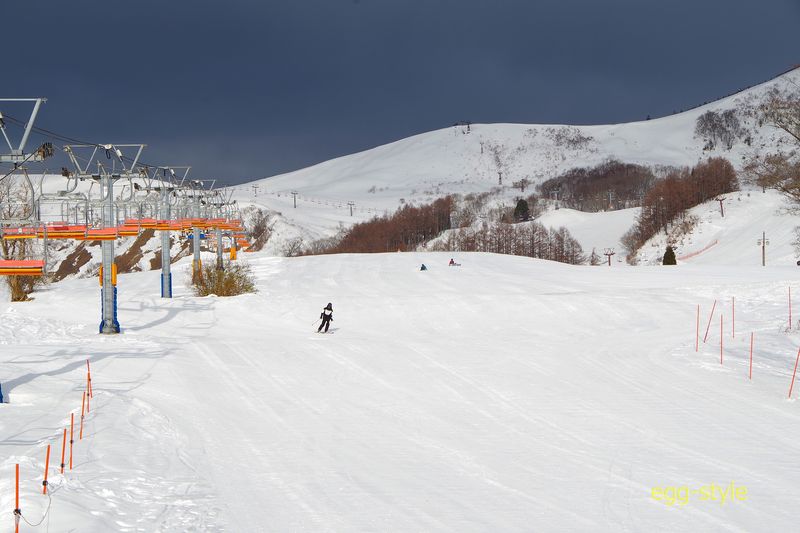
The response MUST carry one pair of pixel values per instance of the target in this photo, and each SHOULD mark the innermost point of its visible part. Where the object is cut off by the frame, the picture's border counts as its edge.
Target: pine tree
(669, 257)
(521, 212)
(594, 259)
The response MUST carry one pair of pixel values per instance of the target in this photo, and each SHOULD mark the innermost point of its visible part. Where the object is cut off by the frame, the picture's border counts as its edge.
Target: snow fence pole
(71, 440)
(705, 337)
(83, 403)
(63, 450)
(794, 374)
(17, 512)
(46, 468)
(89, 379)
(697, 331)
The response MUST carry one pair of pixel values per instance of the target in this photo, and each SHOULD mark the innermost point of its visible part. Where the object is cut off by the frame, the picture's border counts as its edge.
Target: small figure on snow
(423, 267)
(327, 317)
(452, 263)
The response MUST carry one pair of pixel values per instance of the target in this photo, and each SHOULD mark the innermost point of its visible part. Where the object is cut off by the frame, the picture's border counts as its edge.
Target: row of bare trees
(665, 204)
(608, 186)
(527, 239)
(406, 229)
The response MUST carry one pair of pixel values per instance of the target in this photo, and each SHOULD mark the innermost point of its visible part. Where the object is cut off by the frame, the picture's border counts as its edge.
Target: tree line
(529, 239)
(667, 202)
(404, 230)
(608, 186)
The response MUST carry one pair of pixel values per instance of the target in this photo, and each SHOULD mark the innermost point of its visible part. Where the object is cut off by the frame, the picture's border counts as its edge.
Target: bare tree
(15, 204)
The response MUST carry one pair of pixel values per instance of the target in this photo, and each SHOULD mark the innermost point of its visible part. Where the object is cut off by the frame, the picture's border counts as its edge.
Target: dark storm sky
(242, 89)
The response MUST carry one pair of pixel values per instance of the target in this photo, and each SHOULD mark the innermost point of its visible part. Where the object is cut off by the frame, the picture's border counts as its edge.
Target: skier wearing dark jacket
(327, 318)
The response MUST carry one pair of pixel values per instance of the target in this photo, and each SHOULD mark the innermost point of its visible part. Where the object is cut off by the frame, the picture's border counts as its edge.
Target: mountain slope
(452, 160)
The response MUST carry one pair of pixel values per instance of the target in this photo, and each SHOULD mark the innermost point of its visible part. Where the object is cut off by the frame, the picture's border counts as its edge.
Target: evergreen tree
(669, 257)
(521, 212)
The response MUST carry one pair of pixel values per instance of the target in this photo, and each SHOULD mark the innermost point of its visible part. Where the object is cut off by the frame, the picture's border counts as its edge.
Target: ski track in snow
(507, 395)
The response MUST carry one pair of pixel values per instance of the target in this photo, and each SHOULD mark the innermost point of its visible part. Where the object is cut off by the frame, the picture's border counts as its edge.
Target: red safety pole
(709, 321)
(17, 511)
(46, 468)
(794, 373)
(751, 355)
(83, 402)
(697, 331)
(71, 440)
(63, 450)
(720, 339)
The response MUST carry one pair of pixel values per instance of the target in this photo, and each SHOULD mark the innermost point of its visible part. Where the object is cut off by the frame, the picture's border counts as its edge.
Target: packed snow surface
(507, 394)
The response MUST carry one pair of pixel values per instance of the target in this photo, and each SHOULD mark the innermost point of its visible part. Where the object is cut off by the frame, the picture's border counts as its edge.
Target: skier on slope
(327, 318)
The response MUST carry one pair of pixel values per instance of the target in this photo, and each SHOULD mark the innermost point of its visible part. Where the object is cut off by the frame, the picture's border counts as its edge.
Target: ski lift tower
(198, 195)
(106, 173)
(168, 196)
(17, 156)
(220, 200)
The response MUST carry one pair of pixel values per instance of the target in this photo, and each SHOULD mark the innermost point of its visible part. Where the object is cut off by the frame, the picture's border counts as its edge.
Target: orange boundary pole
(63, 449)
(87, 402)
(46, 468)
(17, 512)
(71, 440)
(709, 321)
(89, 376)
(751, 355)
(794, 374)
(83, 402)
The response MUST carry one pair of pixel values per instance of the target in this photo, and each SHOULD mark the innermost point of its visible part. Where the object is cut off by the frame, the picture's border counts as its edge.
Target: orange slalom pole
(46, 468)
(89, 378)
(63, 450)
(751, 355)
(720, 339)
(71, 440)
(87, 402)
(794, 374)
(83, 402)
(705, 337)
(697, 331)
(17, 512)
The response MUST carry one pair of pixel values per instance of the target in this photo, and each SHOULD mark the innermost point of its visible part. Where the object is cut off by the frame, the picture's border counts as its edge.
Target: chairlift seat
(28, 267)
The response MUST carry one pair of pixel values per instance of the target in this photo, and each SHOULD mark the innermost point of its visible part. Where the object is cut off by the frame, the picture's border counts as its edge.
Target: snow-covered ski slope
(508, 394)
(430, 165)
(734, 238)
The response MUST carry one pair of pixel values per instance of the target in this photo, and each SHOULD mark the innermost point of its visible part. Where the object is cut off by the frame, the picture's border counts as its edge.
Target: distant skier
(327, 318)
(452, 263)
(423, 267)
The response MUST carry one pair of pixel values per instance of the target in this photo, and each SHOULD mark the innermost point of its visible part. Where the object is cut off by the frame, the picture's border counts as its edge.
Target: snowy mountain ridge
(474, 159)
